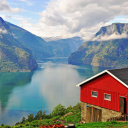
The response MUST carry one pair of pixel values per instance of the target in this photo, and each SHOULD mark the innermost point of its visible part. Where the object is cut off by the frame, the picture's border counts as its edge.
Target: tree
(38, 115)
(58, 110)
(30, 117)
(43, 115)
(23, 120)
(69, 109)
(2, 125)
(77, 108)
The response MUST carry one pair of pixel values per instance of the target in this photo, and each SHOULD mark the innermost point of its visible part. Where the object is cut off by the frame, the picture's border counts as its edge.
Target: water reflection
(89, 71)
(55, 60)
(8, 81)
(54, 83)
(57, 84)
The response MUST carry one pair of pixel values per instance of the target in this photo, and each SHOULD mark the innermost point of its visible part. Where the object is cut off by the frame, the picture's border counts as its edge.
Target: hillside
(36, 44)
(42, 49)
(62, 117)
(108, 48)
(13, 55)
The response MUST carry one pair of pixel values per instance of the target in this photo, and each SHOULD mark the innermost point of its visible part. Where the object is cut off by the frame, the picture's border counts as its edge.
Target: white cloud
(4, 7)
(77, 17)
(110, 37)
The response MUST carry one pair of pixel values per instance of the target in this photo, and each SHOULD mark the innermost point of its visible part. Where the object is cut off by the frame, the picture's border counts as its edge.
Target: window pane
(107, 96)
(94, 94)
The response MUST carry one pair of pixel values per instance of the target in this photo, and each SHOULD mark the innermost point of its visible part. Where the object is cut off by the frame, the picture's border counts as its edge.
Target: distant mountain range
(42, 49)
(18, 48)
(107, 48)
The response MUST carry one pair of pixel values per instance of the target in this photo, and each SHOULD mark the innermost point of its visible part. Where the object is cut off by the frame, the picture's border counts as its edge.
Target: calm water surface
(52, 84)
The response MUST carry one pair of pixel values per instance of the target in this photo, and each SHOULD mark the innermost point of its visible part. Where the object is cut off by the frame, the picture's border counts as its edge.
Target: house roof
(120, 75)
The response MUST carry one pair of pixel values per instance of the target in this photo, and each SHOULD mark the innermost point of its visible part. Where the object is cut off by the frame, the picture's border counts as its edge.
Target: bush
(26, 124)
(48, 116)
(21, 125)
(77, 108)
(113, 122)
(35, 123)
(47, 122)
(57, 122)
(73, 118)
(69, 109)
(2, 125)
(17, 123)
(56, 117)
(7, 126)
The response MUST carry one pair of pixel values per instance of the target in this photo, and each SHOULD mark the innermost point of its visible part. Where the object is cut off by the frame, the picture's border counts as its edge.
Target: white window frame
(106, 98)
(93, 95)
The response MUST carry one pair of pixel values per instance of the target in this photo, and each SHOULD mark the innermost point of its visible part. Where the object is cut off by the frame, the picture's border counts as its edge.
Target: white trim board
(101, 73)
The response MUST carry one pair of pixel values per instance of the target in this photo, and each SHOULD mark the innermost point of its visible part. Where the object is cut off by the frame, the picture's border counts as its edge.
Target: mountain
(42, 49)
(13, 55)
(64, 47)
(36, 44)
(114, 31)
(107, 48)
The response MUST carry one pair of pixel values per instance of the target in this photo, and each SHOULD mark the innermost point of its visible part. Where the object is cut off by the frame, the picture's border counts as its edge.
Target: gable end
(100, 74)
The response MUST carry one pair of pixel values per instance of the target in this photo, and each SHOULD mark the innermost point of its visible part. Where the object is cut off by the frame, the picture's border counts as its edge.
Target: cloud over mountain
(110, 37)
(79, 14)
(67, 18)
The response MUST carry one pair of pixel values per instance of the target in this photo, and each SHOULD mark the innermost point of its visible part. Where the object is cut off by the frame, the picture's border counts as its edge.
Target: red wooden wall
(104, 84)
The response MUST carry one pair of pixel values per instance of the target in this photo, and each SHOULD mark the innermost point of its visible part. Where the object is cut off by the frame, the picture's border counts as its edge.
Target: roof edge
(78, 85)
(117, 79)
(101, 73)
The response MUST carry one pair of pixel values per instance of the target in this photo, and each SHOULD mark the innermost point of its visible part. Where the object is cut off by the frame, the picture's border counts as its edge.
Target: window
(107, 96)
(94, 94)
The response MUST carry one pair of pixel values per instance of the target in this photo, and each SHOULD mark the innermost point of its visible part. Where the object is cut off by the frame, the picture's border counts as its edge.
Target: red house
(104, 95)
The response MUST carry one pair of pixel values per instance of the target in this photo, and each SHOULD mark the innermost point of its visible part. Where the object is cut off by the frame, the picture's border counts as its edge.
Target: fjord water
(53, 83)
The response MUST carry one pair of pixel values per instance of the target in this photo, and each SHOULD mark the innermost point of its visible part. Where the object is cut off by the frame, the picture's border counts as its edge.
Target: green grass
(73, 118)
(111, 124)
(35, 124)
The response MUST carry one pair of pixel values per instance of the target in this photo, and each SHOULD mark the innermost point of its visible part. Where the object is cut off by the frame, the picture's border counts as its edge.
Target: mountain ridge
(13, 55)
(42, 49)
(107, 52)
(19, 47)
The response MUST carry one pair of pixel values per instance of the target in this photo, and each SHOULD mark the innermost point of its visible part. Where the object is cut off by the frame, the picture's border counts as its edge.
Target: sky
(64, 18)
